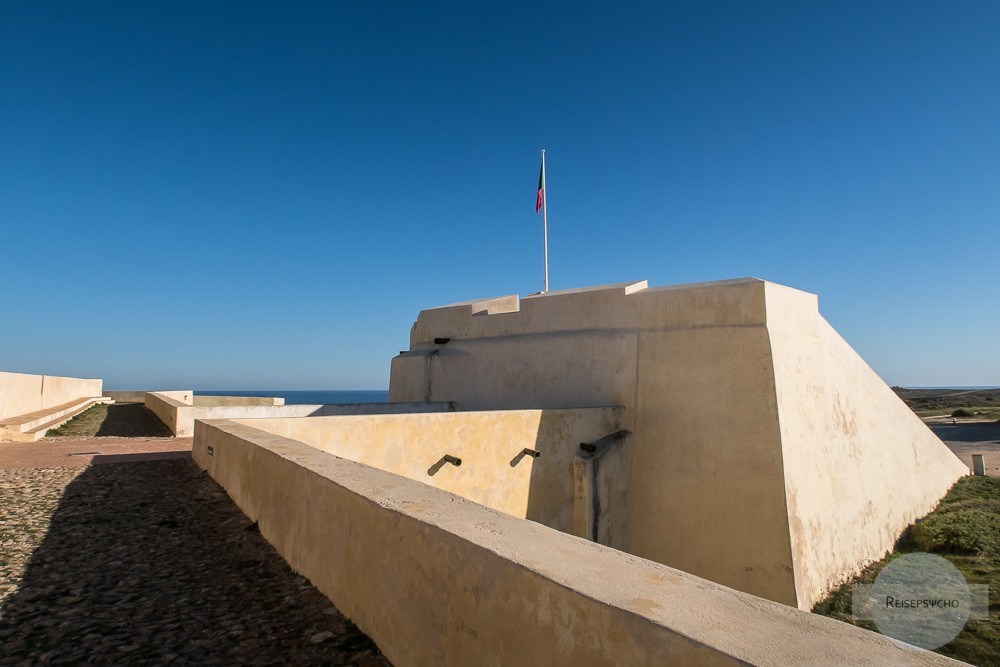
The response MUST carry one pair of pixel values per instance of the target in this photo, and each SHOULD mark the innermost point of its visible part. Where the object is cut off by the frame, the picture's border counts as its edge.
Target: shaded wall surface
(753, 424)
(22, 393)
(126, 396)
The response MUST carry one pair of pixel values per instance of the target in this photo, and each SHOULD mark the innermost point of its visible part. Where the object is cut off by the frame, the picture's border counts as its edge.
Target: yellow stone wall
(494, 469)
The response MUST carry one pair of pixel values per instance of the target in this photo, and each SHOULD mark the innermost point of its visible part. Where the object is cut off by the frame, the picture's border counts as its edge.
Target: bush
(962, 532)
(961, 412)
(967, 522)
(964, 529)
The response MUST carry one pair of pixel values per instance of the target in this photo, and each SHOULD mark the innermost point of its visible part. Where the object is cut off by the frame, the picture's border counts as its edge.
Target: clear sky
(264, 195)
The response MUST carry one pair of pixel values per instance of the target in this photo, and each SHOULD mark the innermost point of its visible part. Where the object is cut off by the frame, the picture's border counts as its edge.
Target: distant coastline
(938, 386)
(308, 396)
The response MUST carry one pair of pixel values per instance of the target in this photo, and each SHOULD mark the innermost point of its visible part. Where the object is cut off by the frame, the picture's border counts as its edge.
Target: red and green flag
(541, 188)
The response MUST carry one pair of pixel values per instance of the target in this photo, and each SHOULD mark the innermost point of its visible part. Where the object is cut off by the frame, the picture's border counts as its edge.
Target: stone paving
(74, 452)
(148, 561)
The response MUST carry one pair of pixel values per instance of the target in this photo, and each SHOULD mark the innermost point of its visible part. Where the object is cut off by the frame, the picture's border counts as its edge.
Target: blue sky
(239, 195)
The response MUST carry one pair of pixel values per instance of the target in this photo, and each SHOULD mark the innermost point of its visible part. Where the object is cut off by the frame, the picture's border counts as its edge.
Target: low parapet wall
(219, 401)
(305, 410)
(126, 396)
(179, 409)
(435, 579)
(21, 393)
(173, 409)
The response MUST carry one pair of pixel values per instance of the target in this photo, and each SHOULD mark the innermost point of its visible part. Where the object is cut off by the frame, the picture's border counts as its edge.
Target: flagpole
(545, 226)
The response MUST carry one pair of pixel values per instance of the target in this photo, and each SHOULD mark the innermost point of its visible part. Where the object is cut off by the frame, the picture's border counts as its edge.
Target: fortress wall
(178, 410)
(706, 493)
(58, 390)
(737, 466)
(126, 396)
(333, 409)
(468, 583)
(252, 411)
(174, 409)
(859, 465)
(703, 476)
(563, 370)
(21, 393)
(488, 443)
(184, 396)
(572, 348)
(216, 401)
(720, 303)
(307, 410)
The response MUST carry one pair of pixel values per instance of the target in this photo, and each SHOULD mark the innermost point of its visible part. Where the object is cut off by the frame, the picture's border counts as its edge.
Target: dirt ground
(968, 438)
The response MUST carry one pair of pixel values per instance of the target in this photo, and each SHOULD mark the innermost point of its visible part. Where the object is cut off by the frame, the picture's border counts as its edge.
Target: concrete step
(32, 420)
(33, 426)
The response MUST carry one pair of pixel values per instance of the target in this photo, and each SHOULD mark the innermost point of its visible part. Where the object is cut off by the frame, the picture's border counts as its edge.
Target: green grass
(976, 412)
(125, 420)
(84, 425)
(980, 403)
(965, 529)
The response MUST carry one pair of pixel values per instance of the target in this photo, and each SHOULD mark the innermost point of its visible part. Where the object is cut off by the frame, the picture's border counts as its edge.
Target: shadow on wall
(581, 490)
(550, 489)
(152, 562)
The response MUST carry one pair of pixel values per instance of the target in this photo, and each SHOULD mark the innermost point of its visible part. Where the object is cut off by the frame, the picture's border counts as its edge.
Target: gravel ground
(151, 562)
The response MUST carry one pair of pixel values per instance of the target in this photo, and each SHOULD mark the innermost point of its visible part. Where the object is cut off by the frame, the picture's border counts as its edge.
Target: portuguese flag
(541, 188)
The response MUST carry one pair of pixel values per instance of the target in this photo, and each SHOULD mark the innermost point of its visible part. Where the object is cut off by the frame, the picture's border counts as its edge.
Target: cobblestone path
(150, 562)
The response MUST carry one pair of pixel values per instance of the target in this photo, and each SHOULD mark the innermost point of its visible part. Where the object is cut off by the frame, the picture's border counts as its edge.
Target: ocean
(308, 396)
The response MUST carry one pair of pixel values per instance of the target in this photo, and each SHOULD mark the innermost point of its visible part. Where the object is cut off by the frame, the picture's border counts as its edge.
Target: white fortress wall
(703, 477)
(859, 465)
(707, 494)
(21, 393)
(126, 396)
(720, 383)
(174, 408)
(203, 401)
